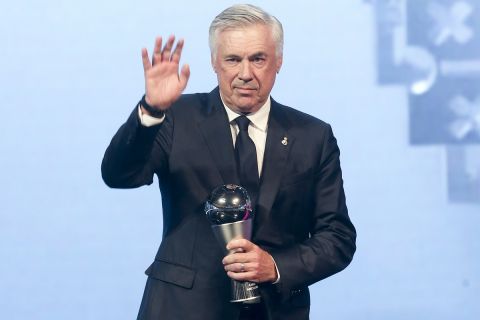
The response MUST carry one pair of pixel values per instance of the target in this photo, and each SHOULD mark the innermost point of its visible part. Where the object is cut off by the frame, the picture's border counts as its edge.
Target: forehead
(248, 39)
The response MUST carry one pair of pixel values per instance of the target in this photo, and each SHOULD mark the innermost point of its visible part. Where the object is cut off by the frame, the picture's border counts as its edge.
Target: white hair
(243, 15)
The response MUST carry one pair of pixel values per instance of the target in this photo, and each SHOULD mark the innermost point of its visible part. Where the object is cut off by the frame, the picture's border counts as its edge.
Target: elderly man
(236, 134)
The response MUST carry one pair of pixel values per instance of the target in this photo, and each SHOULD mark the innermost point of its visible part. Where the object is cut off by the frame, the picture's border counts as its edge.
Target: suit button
(295, 292)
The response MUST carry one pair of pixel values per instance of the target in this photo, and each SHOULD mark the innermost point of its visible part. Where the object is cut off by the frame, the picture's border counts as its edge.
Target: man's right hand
(163, 83)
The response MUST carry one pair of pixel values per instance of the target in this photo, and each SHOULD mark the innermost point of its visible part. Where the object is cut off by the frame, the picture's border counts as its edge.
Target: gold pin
(285, 141)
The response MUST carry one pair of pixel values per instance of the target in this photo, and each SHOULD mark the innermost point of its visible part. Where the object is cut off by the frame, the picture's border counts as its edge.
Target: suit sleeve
(137, 152)
(331, 244)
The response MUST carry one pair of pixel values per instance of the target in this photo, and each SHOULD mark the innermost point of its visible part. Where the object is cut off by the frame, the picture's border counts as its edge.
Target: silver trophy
(230, 212)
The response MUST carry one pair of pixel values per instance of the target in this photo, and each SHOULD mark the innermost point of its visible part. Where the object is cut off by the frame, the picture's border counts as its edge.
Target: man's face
(246, 65)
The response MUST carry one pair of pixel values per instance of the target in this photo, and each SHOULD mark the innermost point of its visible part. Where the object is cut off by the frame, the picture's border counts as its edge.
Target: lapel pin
(285, 141)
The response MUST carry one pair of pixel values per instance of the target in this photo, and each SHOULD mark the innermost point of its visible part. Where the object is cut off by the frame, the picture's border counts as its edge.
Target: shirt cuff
(278, 273)
(147, 120)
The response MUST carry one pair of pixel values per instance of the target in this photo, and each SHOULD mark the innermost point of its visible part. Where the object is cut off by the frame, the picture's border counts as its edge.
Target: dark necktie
(246, 156)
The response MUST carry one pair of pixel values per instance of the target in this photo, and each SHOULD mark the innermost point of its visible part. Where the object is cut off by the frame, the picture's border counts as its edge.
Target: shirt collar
(259, 119)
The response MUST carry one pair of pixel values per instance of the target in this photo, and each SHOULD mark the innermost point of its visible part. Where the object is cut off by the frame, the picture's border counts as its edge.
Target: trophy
(230, 212)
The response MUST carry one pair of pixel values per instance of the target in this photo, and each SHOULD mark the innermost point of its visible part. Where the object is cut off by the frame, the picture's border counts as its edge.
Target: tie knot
(242, 123)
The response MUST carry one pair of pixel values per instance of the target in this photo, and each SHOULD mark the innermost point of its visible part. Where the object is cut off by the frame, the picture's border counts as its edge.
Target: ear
(279, 63)
(213, 62)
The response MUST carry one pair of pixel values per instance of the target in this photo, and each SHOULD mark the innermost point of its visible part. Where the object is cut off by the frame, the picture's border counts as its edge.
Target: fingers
(244, 276)
(239, 267)
(168, 49)
(157, 51)
(184, 76)
(237, 258)
(162, 74)
(177, 53)
(158, 45)
(250, 264)
(244, 271)
(243, 244)
(165, 55)
(145, 60)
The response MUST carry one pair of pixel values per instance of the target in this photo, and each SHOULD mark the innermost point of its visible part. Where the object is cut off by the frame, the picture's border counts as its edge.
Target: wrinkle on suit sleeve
(331, 244)
(137, 152)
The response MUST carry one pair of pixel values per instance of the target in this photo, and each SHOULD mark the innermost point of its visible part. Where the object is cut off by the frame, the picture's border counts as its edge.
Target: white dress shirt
(257, 130)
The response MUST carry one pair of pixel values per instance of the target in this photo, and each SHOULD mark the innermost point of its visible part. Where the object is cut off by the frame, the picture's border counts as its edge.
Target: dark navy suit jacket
(301, 216)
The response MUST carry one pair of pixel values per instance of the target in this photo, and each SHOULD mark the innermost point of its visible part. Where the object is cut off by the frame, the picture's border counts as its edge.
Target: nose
(245, 72)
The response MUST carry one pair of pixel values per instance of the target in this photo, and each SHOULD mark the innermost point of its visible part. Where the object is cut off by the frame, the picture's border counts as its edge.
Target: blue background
(71, 248)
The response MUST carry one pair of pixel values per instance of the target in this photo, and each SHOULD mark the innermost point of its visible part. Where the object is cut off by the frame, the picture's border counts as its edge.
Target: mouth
(245, 90)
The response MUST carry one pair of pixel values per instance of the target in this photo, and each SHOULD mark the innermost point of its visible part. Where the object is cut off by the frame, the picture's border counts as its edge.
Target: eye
(258, 60)
(232, 60)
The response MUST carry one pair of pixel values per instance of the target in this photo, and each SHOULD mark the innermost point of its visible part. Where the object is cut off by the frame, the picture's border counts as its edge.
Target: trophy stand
(229, 210)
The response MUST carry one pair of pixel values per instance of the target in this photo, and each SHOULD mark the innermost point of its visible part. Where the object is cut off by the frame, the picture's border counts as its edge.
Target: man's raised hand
(163, 83)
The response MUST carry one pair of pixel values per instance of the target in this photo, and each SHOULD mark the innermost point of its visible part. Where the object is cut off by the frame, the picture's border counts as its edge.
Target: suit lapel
(218, 137)
(277, 150)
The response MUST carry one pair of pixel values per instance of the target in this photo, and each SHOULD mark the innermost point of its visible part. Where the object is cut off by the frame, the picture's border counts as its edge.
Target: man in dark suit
(196, 142)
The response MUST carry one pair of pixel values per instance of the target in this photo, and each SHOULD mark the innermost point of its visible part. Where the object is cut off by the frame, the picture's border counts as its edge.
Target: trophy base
(245, 292)
(251, 300)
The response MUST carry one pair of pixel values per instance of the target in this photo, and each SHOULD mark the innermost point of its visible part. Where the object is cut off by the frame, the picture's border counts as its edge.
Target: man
(196, 142)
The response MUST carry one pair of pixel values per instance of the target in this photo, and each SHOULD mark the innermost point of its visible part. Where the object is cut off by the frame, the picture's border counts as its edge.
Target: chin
(247, 106)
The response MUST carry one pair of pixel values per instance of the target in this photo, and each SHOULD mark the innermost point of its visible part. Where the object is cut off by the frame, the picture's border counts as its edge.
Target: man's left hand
(249, 262)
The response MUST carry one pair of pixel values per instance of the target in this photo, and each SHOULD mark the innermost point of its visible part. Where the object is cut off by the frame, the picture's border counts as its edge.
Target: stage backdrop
(398, 80)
